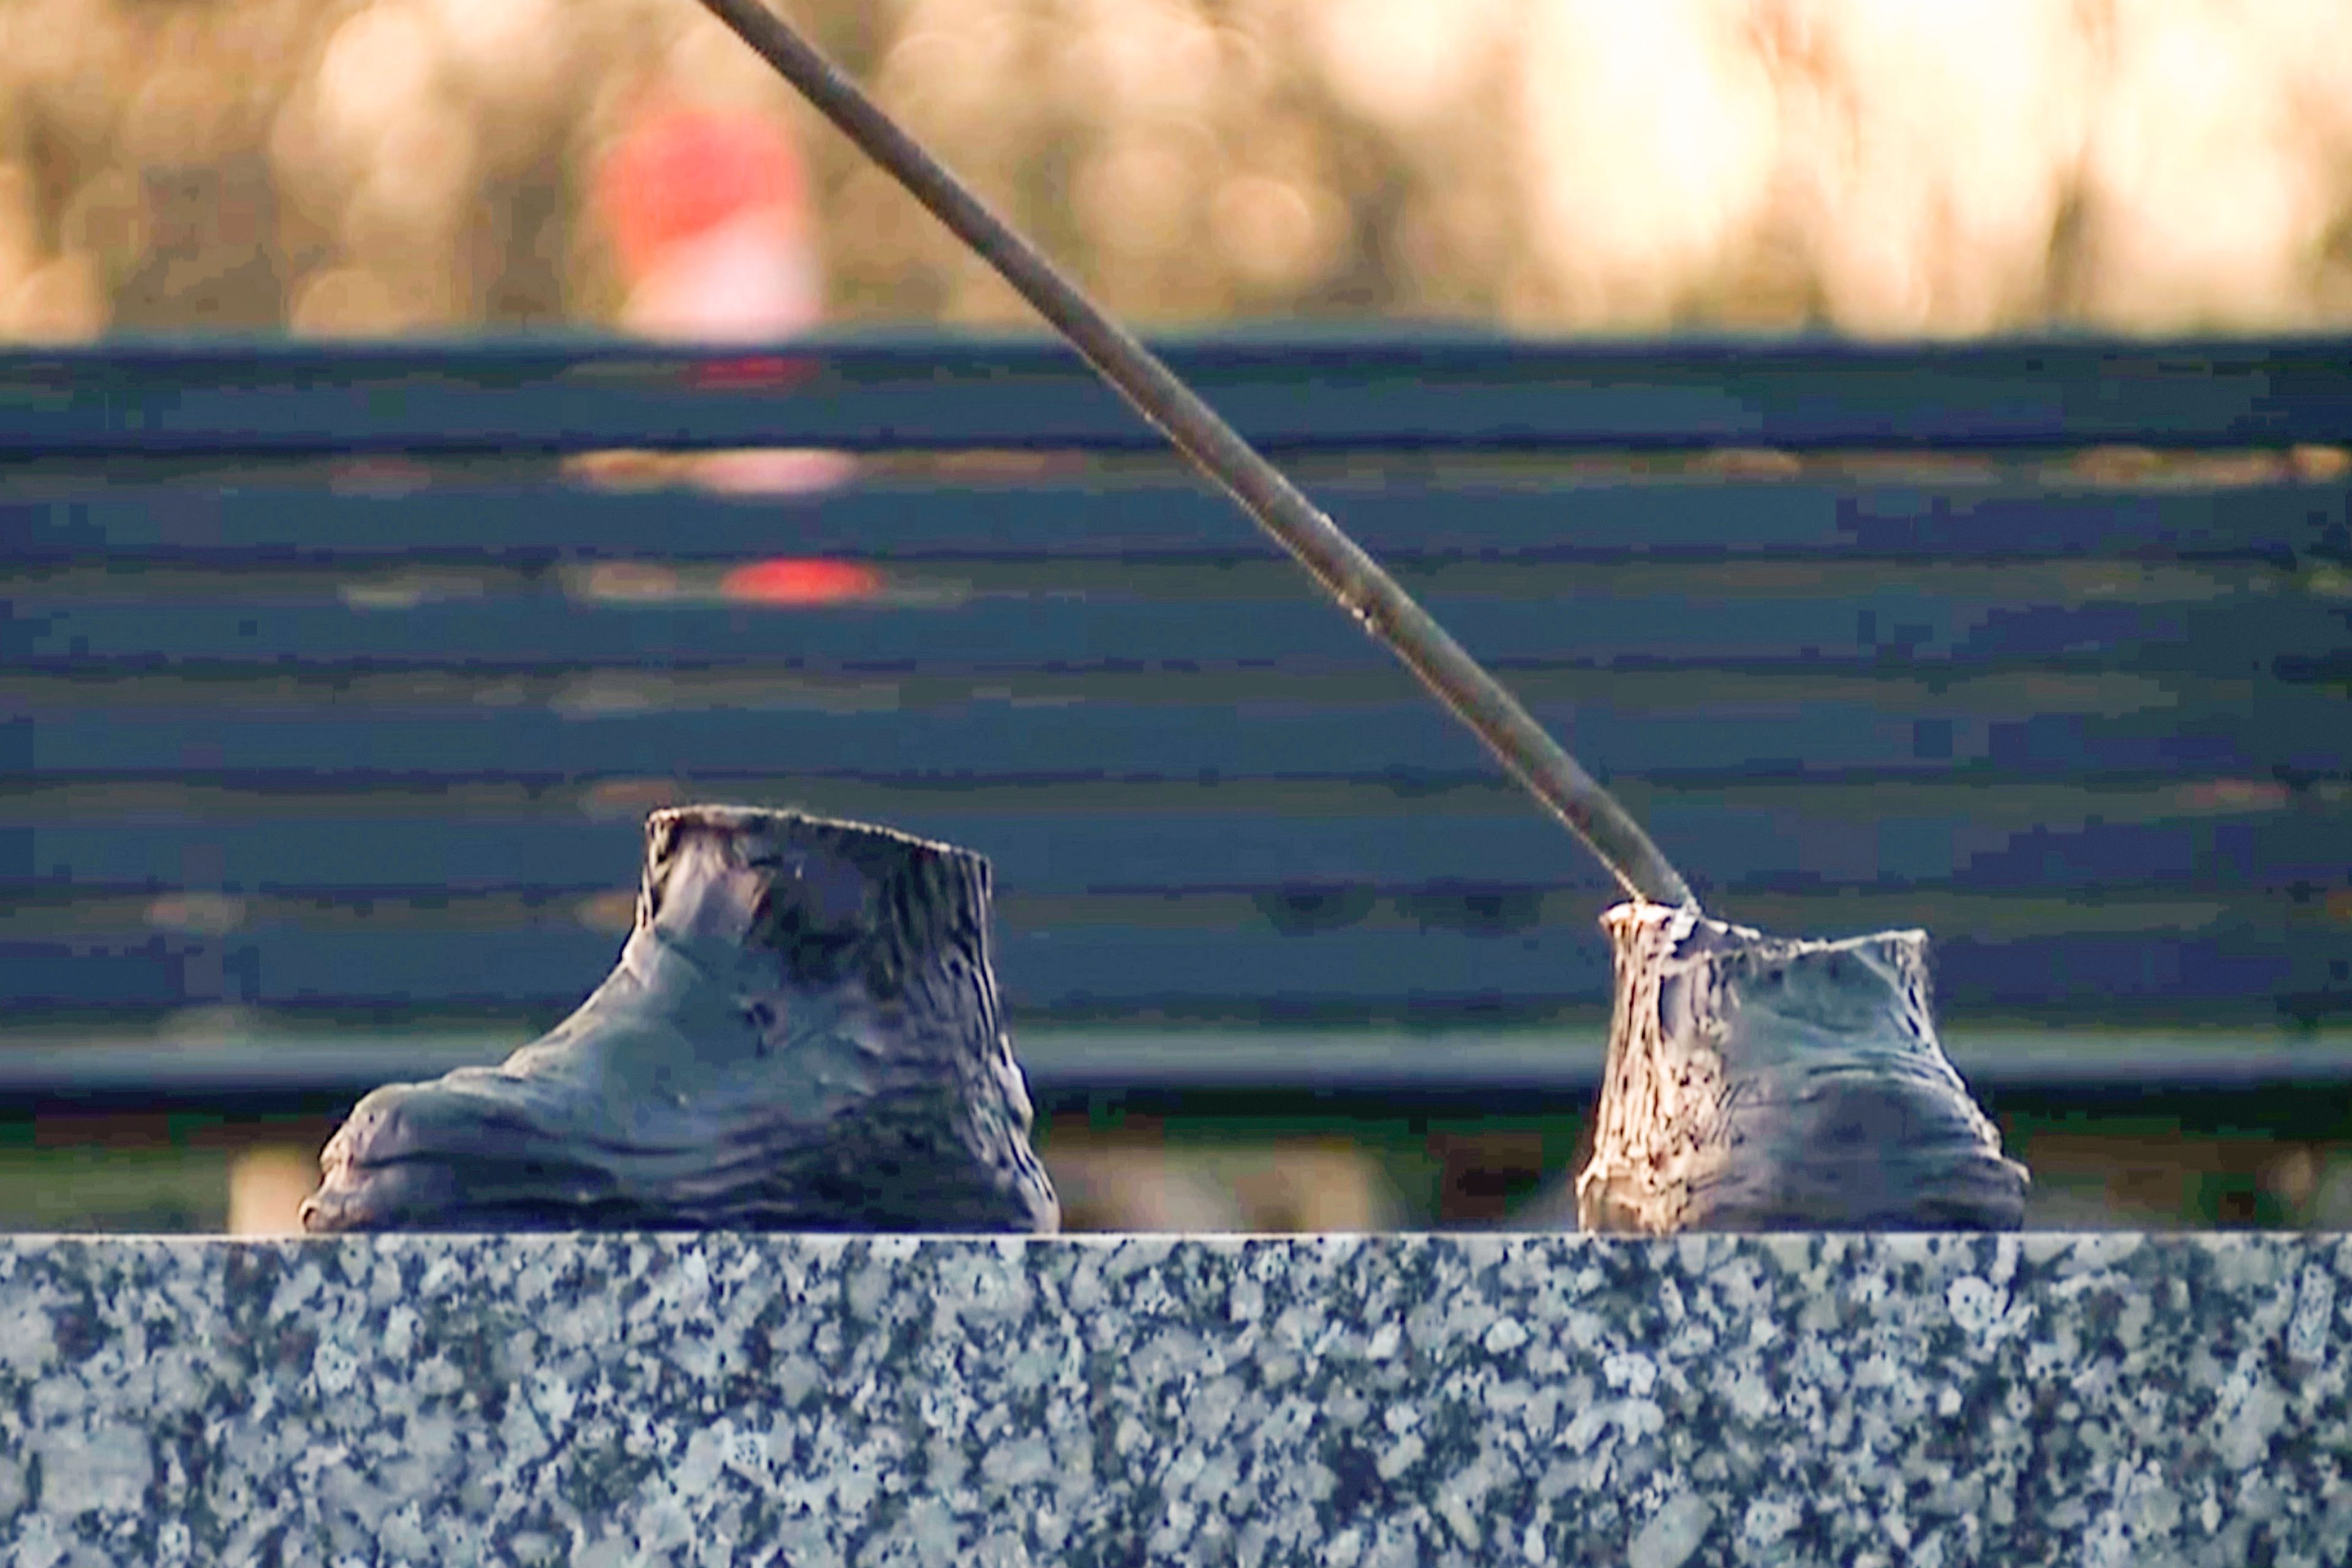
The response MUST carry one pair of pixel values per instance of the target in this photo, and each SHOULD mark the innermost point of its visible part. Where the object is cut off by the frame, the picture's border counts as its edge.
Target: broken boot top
(1759, 1083)
(802, 1034)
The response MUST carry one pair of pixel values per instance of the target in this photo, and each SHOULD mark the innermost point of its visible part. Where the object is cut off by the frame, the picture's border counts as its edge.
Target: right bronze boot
(1763, 1083)
(802, 1034)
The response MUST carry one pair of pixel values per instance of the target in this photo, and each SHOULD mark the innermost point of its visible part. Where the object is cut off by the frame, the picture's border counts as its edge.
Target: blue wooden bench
(325, 692)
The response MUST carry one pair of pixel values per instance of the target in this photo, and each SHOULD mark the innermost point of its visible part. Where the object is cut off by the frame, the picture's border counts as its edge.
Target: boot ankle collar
(832, 902)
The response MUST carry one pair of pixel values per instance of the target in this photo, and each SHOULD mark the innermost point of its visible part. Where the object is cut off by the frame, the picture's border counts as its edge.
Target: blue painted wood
(1790, 843)
(1555, 614)
(1401, 519)
(237, 626)
(2249, 960)
(2293, 730)
(1306, 394)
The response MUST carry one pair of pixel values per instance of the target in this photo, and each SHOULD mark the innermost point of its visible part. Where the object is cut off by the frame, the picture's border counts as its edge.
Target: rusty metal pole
(1353, 578)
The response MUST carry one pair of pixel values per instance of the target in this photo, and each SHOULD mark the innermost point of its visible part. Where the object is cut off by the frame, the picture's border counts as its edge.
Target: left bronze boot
(802, 1034)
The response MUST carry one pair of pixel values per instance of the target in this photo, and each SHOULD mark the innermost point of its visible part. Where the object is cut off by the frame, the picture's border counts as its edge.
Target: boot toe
(447, 1156)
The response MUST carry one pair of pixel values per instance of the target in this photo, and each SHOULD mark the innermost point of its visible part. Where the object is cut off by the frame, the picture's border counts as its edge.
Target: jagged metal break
(1759, 1083)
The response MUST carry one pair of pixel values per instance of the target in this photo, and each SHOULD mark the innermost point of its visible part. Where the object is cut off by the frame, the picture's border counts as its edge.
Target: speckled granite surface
(1831, 1400)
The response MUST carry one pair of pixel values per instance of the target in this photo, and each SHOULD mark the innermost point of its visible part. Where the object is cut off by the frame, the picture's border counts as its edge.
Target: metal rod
(1350, 576)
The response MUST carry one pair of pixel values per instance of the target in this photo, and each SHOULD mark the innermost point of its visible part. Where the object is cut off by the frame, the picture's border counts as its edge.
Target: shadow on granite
(601, 1400)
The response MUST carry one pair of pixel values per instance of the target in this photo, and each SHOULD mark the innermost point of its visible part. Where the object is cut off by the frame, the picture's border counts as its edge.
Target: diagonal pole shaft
(1353, 578)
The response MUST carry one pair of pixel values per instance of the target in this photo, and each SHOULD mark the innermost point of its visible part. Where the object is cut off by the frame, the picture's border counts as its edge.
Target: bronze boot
(1761, 1083)
(802, 1034)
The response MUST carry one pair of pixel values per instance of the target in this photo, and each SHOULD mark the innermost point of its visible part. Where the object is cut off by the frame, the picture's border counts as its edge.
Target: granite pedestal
(1847, 1400)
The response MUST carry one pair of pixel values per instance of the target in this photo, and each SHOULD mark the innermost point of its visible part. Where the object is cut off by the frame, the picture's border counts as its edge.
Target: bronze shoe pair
(802, 1034)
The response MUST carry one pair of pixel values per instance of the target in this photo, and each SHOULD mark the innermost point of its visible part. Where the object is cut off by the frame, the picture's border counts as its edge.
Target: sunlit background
(1877, 167)
(1870, 168)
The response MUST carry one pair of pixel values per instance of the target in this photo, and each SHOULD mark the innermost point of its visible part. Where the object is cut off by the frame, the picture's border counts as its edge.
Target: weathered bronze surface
(802, 1034)
(1758, 1083)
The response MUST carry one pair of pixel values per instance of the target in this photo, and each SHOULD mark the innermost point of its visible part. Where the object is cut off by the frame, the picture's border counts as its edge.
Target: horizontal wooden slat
(1273, 725)
(2234, 619)
(274, 1061)
(1400, 518)
(1292, 909)
(1303, 393)
(1050, 840)
(202, 802)
(1134, 955)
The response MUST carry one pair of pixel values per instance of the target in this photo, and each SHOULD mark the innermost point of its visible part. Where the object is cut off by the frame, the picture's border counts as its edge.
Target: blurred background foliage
(1873, 166)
